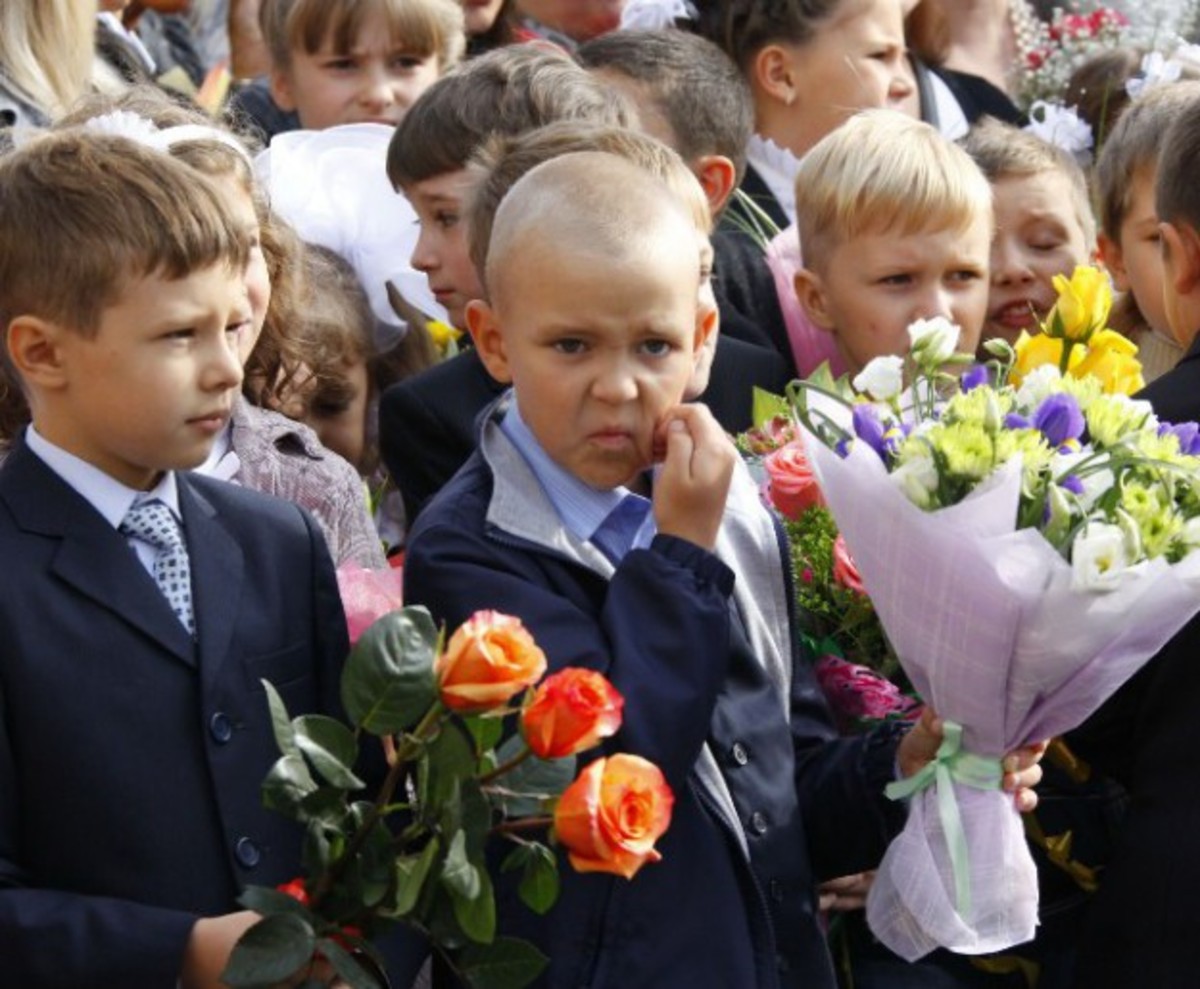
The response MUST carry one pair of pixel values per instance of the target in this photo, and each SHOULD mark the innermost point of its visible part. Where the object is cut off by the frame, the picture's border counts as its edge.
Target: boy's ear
(1114, 260)
(1181, 257)
(772, 71)
(489, 341)
(717, 176)
(34, 349)
(280, 82)
(810, 292)
(708, 325)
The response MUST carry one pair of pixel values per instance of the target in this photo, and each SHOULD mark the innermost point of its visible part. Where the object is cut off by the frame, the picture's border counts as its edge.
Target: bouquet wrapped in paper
(1028, 548)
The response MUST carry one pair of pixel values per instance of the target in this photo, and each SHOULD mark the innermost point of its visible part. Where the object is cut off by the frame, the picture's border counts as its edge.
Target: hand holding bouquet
(1027, 547)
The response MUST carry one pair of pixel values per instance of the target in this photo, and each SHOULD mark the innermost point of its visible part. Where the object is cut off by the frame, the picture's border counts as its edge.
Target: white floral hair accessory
(1063, 127)
(332, 186)
(133, 126)
(654, 15)
(1155, 71)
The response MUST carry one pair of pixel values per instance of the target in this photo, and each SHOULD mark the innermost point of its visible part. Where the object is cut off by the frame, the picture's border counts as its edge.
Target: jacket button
(776, 888)
(758, 822)
(247, 853)
(739, 754)
(220, 727)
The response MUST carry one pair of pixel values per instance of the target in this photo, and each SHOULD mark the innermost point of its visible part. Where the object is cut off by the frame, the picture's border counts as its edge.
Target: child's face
(855, 61)
(1038, 235)
(258, 281)
(578, 19)
(153, 388)
(342, 425)
(480, 15)
(441, 252)
(597, 352)
(1135, 260)
(873, 286)
(375, 82)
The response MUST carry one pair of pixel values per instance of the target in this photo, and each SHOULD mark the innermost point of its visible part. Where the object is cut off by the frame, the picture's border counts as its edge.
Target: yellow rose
(1083, 303)
(1111, 359)
(443, 334)
(1037, 350)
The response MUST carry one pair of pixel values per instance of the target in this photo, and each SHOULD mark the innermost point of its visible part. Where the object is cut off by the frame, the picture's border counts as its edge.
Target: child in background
(1044, 224)
(352, 61)
(127, 697)
(896, 224)
(1130, 243)
(259, 448)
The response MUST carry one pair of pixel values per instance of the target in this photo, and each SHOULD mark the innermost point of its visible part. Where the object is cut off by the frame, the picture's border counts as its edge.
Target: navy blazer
(131, 758)
(660, 628)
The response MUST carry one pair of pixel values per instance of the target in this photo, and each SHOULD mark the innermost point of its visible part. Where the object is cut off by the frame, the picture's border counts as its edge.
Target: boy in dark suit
(597, 318)
(1144, 928)
(139, 605)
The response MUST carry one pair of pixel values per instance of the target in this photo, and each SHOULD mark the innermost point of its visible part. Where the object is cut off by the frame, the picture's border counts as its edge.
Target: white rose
(882, 378)
(917, 477)
(933, 341)
(1098, 557)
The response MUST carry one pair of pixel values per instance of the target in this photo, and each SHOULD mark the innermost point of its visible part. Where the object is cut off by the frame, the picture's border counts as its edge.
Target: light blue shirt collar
(582, 508)
(108, 496)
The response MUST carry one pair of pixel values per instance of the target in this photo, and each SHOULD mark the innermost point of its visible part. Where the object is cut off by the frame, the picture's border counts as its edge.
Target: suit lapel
(92, 557)
(218, 572)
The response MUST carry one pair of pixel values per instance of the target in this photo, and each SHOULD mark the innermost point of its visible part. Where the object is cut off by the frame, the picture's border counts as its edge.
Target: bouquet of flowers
(855, 666)
(1051, 57)
(414, 853)
(1028, 548)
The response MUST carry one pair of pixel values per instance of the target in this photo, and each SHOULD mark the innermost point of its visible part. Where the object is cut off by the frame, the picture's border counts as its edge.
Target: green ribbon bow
(952, 765)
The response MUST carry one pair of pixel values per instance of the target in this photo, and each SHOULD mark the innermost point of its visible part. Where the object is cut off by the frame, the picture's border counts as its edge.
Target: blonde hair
(1004, 151)
(424, 27)
(503, 161)
(883, 171)
(46, 49)
(82, 214)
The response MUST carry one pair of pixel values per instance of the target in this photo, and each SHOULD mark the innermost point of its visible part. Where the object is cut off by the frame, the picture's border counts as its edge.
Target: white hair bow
(1063, 127)
(654, 15)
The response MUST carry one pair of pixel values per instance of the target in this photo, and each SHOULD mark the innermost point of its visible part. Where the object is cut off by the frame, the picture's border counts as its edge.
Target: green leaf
(477, 916)
(271, 951)
(538, 888)
(330, 747)
(449, 758)
(507, 963)
(485, 731)
(411, 872)
(388, 682)
(346, 965)
(531, 784)
(268, 902)
(281, 722)
(287, 784)
(458, 874)
(767, 405)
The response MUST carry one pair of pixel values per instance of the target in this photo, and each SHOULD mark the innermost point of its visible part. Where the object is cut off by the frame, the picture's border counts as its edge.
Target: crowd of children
(201, 414)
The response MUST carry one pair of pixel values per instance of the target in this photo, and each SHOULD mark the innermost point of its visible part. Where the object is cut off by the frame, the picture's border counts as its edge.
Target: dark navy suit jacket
(131, 758)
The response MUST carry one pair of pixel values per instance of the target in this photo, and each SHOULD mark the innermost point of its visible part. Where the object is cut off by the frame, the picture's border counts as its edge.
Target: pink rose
(367, 595)
(855, 692)
(844, 570)
(791, 484)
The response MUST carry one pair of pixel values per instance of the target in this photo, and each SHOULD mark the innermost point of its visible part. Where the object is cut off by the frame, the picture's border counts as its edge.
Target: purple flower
(1072, 484)
(869, 429)
(975, 376)
(1014, 420)
(1060, 419)
(1188, 434)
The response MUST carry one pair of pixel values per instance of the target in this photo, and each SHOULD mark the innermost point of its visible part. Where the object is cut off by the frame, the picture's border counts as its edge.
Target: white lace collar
(777, 167)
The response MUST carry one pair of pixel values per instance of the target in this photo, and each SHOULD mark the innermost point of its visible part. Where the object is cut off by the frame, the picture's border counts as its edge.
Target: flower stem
(522, 824)
(505, 767)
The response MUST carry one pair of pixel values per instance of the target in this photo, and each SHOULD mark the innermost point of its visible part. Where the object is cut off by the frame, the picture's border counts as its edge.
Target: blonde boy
(138, 603)
(357, 61)
(895, 224)
(1130, 240)
(1044, 223)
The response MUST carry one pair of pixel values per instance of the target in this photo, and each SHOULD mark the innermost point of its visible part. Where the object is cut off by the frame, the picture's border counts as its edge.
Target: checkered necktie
(153, 523)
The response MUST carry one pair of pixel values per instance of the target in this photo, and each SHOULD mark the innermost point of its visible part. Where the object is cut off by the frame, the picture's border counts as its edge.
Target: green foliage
(388, 680)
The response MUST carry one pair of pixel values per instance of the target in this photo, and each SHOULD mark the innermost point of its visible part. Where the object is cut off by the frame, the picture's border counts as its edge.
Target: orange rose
(791, 484)
(489, 660)
(571, 711)
(844, 570)
(611, 816)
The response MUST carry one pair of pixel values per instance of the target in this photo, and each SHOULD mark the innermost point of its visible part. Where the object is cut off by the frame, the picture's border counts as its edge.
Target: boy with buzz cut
(618, 523)
(896, 224)
(139, 604)
(1144, 928)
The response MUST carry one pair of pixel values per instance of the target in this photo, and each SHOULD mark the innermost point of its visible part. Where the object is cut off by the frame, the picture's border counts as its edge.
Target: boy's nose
(901, 86)
(424, 258)
(615, 383)
(1010, 265)
(224, 367)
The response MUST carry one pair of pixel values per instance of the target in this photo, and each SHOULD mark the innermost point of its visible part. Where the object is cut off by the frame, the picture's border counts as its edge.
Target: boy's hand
(1021, 769)
(212, 940)
(846, 893)
(698, 460)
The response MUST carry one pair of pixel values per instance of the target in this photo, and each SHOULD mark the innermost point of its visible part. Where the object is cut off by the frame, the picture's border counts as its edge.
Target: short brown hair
(503, 162)
(1178, 193)
(424, 27)
(81, 214)
(507, 91)
(744, 27)
(1003, 151)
